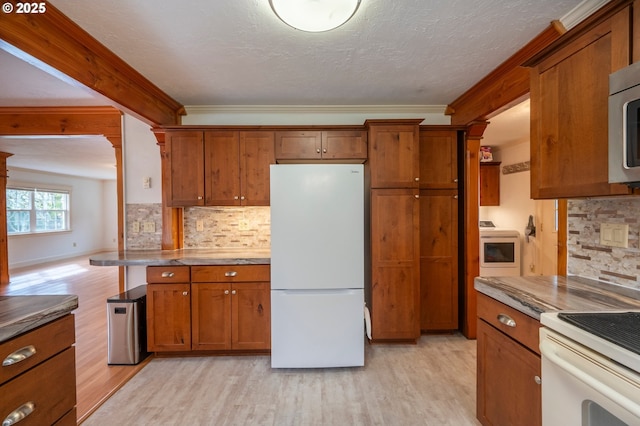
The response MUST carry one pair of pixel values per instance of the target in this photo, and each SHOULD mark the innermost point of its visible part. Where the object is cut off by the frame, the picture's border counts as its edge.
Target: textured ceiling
(214, 52)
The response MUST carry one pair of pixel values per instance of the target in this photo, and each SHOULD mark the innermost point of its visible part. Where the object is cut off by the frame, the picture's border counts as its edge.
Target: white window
(33, 210)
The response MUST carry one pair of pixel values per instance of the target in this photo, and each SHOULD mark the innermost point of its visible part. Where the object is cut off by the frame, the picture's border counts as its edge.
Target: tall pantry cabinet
(393, 172)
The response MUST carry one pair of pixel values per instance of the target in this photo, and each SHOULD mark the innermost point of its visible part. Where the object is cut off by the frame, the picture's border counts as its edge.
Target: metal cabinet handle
(19, 355)
(185, 293)
(226, 292)
(537, 379)
(233, 292)
(19, 413)
(230, 274)
(168, 275)
(506, 320)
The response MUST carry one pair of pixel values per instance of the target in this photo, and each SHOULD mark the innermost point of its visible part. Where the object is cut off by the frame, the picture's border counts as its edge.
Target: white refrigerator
(317, 265)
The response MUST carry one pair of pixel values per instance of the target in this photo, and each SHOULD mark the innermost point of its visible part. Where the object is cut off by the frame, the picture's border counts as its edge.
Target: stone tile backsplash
(221, 227)
(587, 257)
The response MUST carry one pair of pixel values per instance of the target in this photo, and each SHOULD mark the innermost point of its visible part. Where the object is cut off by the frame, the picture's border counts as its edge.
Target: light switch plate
(614, 234)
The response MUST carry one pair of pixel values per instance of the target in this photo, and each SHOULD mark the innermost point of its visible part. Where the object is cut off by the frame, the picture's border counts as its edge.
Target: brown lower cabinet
(508, 383)
(42, 385)
(218, 308)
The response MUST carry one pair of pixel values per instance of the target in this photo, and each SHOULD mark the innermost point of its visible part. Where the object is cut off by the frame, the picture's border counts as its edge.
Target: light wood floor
(431, 383)
(96, 381)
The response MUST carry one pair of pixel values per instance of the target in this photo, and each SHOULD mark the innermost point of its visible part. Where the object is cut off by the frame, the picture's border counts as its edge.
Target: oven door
(581, 387)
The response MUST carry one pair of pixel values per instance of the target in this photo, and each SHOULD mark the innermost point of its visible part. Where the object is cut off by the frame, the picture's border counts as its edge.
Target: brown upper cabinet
(219, 167)
(569, 106)
(321, 145)
(438, 158)
(490, 183)
(394, 153)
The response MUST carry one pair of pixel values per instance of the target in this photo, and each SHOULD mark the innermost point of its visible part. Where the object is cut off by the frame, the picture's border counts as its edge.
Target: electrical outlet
(243, 225)
(200, 225)
(614, 234)
(135, 227)
(148, 227)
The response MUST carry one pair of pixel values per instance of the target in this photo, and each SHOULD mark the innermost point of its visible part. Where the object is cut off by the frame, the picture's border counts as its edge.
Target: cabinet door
(438, 259)
(569, 110)
(438, 159)
(251, 316)
(507, 391)
(186, 169)
(168, 317)
(222, 171)
(395, 292)
(298, 145)
(394, 156)
(211, 316)
(344, 144)
(257, 153)
(490, 184)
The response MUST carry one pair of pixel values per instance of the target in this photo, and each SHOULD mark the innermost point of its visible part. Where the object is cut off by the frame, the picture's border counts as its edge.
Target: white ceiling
(209, 52)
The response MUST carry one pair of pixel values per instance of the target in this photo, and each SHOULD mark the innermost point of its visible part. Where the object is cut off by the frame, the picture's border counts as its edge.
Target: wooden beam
(58, 46)
(172, 226)
(64, 121)
(4, 246)
(472, 232)
(503, 87)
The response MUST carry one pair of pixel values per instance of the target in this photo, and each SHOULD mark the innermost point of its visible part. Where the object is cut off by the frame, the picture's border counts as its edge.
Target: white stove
(587, 379)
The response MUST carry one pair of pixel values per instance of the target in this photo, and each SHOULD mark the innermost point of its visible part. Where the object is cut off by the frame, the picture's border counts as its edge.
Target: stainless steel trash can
(127, 327)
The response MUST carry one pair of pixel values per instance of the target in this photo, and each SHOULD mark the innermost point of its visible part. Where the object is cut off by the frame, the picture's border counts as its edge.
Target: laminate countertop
(537, 294)
(19, 314)
(182, 257)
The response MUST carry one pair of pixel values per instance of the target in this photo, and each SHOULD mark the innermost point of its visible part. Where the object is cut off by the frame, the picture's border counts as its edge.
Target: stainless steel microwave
(624, 125)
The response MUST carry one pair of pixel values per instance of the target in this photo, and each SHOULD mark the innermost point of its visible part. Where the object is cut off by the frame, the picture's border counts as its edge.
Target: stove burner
(621, 328)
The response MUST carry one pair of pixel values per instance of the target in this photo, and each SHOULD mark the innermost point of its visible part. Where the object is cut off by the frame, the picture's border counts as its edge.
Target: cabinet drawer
(50, 402)
(230, 273)
(523, 328)
(36, 346)
(167, 274)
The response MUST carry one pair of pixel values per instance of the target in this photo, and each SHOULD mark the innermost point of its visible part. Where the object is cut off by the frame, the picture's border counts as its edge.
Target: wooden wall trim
(58, 46)
(4, 242)
(504, 86)
(472, 231)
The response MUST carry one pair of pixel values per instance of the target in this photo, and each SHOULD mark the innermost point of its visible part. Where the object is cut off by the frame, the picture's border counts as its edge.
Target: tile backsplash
(204, 227)
(587, 257)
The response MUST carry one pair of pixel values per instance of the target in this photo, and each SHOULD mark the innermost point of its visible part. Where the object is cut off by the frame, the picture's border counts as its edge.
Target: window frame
(33, 211)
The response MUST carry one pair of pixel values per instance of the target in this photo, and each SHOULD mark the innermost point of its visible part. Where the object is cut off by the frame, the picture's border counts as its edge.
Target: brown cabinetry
(321, 145)
(490, 183)
(569, 107)
(168, 309)
(41, 383)
(438, 228)
(509, 369)
(395, 240)
(207, 308)
(219, 167)
(231, 307)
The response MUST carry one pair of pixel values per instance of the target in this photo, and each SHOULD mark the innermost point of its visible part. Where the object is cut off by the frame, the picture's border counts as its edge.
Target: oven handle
(547, 350)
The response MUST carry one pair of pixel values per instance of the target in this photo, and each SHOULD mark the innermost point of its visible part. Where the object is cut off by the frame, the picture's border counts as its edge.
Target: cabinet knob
(199, 197)
(506, 320)
(185, 293)
(19, 413)
(538, 380)
(417, 196)
(19, 355)
(226, 292)
(455, 180)
(233, 292)
(324, 150)
(455, 196)
(242, 197)
(417, 179)
(318, 150)
(235, 198)
(167, 274)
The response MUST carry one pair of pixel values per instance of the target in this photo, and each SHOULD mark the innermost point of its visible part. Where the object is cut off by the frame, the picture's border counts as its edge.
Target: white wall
(93, 228)
(515, 200)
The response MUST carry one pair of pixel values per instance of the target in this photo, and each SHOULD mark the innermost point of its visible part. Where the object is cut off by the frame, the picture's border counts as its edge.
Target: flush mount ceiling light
(314, 15)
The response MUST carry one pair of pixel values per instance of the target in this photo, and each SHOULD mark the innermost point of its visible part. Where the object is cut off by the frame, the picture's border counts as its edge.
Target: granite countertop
(537, 294)
(183, 257)
(19, 314)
